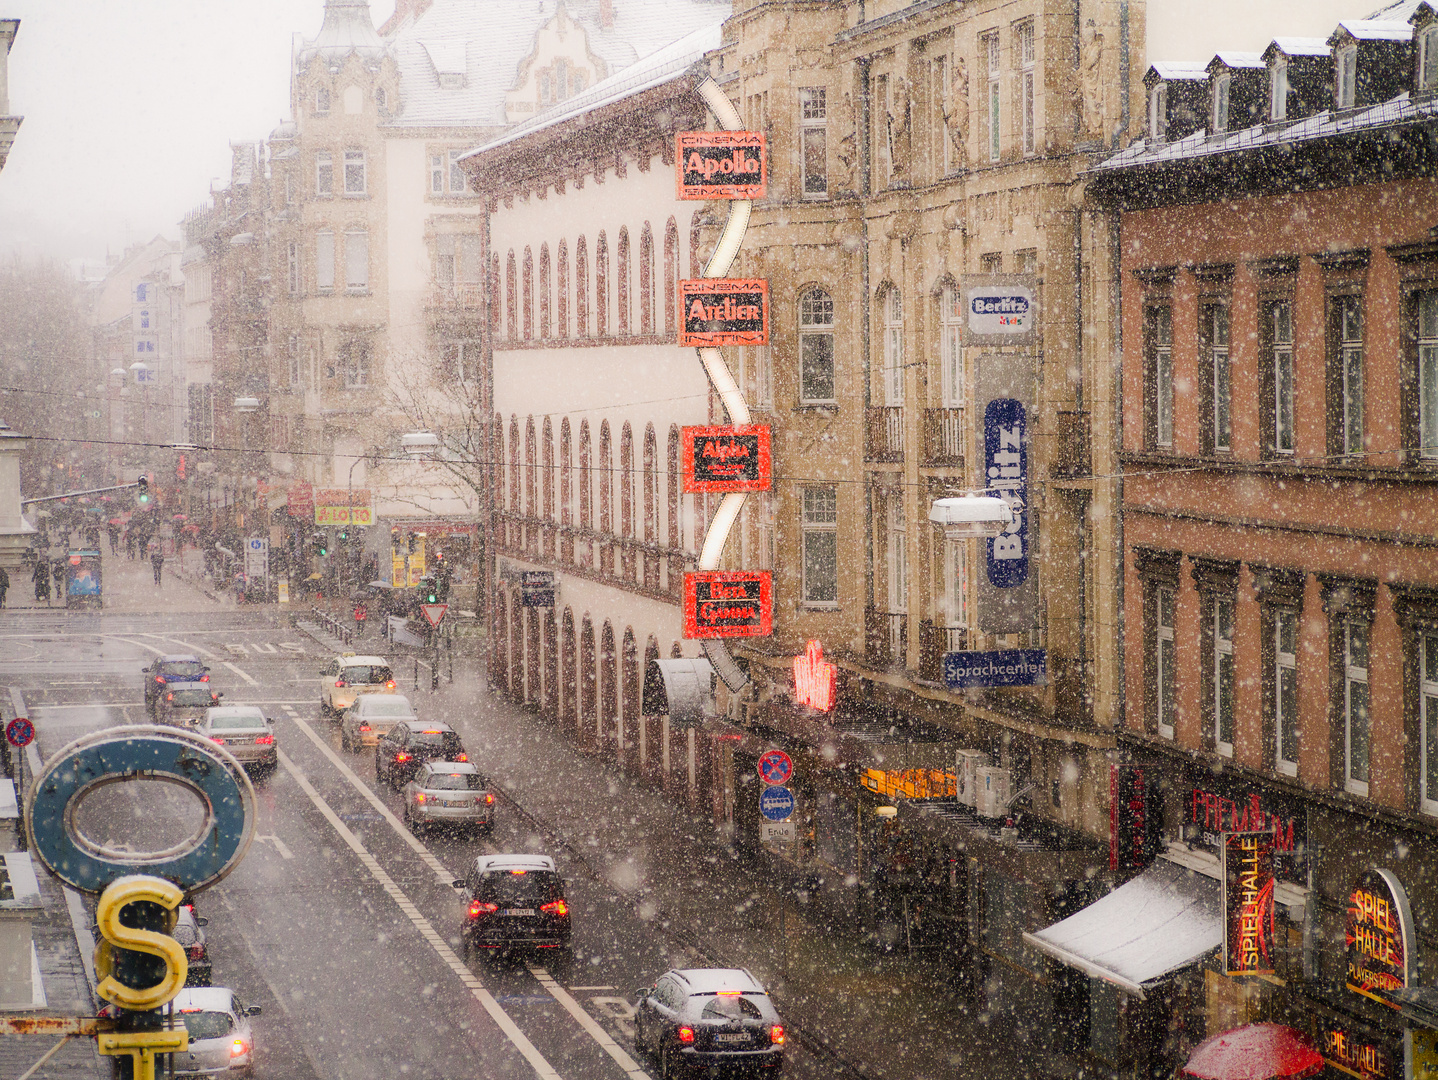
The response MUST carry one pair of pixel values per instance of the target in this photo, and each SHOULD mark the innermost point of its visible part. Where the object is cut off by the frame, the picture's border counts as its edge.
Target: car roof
(174, 658)
(234, 710)
(712, 980)
(372, 661)
(427, 725)
(485, 863)
(209, 998)
(449, 767)
(373, 701)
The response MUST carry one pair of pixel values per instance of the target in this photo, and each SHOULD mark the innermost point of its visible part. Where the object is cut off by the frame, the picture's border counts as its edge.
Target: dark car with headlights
(514, 902)
(695, 1019)
(172, 668)
(409, 744)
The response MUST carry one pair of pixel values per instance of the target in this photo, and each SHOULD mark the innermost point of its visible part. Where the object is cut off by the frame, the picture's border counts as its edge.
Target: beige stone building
(9, 125)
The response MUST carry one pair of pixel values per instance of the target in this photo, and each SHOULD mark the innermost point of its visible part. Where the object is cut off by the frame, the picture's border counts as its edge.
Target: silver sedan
(245, 732)
(449, 793)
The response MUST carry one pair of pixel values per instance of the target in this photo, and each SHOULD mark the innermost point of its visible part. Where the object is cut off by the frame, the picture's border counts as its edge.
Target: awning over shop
(682, 689)
(1166, 918)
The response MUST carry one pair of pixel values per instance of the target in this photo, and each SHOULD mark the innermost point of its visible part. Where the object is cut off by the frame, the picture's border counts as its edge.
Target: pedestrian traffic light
(142, 487)
(321, 544)
(431, 590)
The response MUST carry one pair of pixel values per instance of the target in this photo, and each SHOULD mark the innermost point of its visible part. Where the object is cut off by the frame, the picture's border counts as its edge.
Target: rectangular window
(436, 174)
(883, 133)
(459, 360)
(816, 348)
(1220, 105)
(990, 50)
(1355, 706)
(324, 260)
(354, 360)
(1222, 678)
(1346, 375)
(458, 184)
(1285, 691)
(1161, 368)
(1025, 44)
(355, 172)
(1428, 60)
(292, 267)
(294, 361)
(357, 261)
(813, 141)
(445, 252)
(1428, 373)
(1219, 373)
(893, 348)
(955, 580)
(324, 173)
(289, 187)
(1346, 77)
(1158, 112)
(471, 259)
(897, 545)
(1278, 92)
(1281, 327)
(820, 525)
(1165, 661)
(951, 349)
(1428, 720)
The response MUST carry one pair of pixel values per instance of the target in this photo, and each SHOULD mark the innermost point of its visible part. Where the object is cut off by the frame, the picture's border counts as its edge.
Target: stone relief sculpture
(1091, 59)
(900, 121)
(956, 111)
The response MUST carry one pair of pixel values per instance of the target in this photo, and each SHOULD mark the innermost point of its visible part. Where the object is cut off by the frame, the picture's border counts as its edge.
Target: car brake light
(555, 907)
(160, 679)
(169, 697)
(364, 727)
(401, 756)
(238, 1048)
(519, 872)
(488, 798)
(389, 685)
(776, 1034)
(686, 1035)
(461, 757)
(478, 908)
(419, 796)
(217, 739)
(205, 677)
(729, 993)
(264, 740)
(197, 952)
(339, 683)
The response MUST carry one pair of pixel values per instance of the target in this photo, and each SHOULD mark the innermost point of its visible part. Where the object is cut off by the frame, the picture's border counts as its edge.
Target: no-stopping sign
(20, 732)
(775, 767)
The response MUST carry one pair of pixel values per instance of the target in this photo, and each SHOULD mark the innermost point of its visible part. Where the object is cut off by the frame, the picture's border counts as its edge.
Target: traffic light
(320, 543)
(431, 590)
(142, 487)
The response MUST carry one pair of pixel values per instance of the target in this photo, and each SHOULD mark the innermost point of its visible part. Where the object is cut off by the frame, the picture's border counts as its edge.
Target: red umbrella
(1254, 1052)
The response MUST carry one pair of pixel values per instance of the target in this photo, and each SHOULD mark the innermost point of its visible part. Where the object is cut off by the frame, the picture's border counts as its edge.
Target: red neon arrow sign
(814, 678)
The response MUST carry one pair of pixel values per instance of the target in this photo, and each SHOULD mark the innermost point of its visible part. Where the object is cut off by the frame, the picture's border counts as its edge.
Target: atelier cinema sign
(1248, 903)
(720, 165)
(1378, 936)
(734, 458)
(728, 603)
(724, 311)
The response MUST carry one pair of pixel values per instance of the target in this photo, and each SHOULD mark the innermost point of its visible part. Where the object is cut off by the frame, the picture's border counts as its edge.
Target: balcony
(934, 642)
(884, 433)
(1075, 458)
(886, 637)
(943, 436)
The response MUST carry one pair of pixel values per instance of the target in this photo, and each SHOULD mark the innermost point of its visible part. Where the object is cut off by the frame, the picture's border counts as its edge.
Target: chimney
(402, 10)
(606, 14)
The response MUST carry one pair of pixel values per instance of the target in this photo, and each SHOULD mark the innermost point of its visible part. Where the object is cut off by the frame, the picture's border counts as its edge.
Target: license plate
(456, 802)
(519, 911)
(731, 1038)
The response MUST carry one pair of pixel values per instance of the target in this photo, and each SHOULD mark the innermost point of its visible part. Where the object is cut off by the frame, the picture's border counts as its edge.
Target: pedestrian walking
(114, 531)
(157, 559)
(4, 585)
(41, 578)
(130, 543)
(58, 572)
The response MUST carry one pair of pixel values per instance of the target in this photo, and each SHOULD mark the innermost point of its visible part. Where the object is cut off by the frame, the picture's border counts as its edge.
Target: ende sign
(724, 311)
(723, 459)
(728, 603)
(1248, 903)
(720, 165)
(1378, 935)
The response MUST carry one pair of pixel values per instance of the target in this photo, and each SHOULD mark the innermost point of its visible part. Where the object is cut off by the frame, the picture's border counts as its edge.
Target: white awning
(1166, 918)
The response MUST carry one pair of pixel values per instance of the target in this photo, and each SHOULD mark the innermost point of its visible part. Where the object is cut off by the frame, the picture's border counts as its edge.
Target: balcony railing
(934, 642)
(1075, 458)
(943, 436)
(884, 433)
(886, 637)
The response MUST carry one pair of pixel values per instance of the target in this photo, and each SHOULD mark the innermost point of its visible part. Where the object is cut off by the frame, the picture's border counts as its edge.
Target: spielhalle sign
(1248, 903)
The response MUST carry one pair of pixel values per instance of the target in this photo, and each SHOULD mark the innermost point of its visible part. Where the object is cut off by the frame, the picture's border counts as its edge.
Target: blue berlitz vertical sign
(1006, 466)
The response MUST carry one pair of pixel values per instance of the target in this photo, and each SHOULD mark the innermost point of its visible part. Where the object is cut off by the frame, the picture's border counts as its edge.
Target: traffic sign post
(776, 803)
(775, 767)
(20, 732)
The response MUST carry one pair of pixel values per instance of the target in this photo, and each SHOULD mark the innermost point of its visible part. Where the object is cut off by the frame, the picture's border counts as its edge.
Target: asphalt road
(339, 923)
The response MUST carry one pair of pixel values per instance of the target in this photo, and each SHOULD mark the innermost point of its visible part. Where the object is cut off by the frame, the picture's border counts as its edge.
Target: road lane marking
(196, 649)
(589, 1024)
(423, 925)
(280, 845)
(241, 674)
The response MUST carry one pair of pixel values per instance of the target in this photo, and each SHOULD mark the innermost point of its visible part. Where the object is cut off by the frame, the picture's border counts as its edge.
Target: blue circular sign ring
(20, 732)
(137, 752)
(776, 803)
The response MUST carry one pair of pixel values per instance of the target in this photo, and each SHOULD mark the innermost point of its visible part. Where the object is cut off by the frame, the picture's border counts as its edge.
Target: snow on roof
(447, 55)
(1301, 46)
(1398, 11)
(1179, 69)
(666, 64)
(347, 29)
(1375, 30)
(1235, 59)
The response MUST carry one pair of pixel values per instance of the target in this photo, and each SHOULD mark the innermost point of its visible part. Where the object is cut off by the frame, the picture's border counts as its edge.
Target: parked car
(708, 1018)
(514, 902)
(245, 732)
(371, 717)
(448, 793)
(173, 668)
(183, 704)
(222, 1040)
(409, 744)
(347, 676)
(189, 931)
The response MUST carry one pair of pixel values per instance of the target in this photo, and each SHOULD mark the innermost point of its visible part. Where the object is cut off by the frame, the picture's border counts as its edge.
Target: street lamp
(420, 443)
(972, 517)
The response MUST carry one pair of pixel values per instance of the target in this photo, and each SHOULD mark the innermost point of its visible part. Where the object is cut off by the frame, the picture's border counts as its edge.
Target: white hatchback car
(371, 717)
(245, 732)
(346, 677)
(222, 1041)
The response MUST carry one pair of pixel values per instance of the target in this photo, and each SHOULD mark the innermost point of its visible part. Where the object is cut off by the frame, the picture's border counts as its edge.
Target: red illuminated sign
(1378, 935)
(1132, 830)
(732, 458)
(815, 679)
(724, 311)
(1248, 903)
(720, 165)
(728, 603)
(1357, 1056)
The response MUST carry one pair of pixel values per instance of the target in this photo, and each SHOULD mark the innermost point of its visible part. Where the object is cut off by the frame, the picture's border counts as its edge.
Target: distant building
(9, 125)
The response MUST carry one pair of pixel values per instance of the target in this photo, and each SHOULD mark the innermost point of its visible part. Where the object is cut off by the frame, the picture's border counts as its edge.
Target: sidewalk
(129, 585)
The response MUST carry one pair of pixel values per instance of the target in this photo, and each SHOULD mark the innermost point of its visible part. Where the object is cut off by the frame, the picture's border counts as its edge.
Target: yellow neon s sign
(129, 890)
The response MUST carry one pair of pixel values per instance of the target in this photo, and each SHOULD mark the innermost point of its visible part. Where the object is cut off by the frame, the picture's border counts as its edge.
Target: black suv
(176, 667)
(708, 1018)
(409, 744)
(514, 902)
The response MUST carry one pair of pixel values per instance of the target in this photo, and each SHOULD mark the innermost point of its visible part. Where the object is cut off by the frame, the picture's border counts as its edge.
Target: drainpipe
(1123, 64)
(865, 345)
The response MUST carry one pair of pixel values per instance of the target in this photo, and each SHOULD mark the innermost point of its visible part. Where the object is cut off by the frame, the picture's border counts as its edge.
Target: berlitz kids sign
(728, 603)
(720, 165)
(1378, 936)
(999, 310)
(734, 458)
(724, 311)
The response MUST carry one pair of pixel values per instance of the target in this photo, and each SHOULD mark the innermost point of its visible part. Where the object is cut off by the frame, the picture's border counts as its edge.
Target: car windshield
(182, 669)
(361, 674)
(207, 1025)
(385, 708)
(524, 889)
(232, 721)
(730, 1007)
(455, 782)
(191, 697)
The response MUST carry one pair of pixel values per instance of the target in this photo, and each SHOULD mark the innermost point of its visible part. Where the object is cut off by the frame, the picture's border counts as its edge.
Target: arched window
(547, 479)
(646, 281)
(561, 296)
(528, 327)
(626, 479)
(651, 485)
(671, 275)
(621, 284)
(893, 315)
(604, 466)
(531, 498)
(816, 348)
(695, 268)
(495, 301)
(601, 285)
(511, 299)
(544, 282)
(566, 478)
(581, 288)
(672, 539)
(586, 479)
(514, 503)
(497, 460)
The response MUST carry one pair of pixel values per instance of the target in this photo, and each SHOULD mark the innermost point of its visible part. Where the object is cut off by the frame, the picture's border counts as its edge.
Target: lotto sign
(720, 165)
(1248, 903)
(775, 767)
(724, 311)
(725, 459)
(728, 603)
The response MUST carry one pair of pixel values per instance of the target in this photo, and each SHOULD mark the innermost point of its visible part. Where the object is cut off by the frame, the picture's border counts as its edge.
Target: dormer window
(1220, 104)
(381, 100)
(1428, 60)
(1158, 112)
(1345, 77)
(1278, 92)
(322, 100)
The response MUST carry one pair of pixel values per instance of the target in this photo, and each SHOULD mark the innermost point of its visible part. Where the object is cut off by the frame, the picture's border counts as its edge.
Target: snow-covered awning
(1165, 919)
